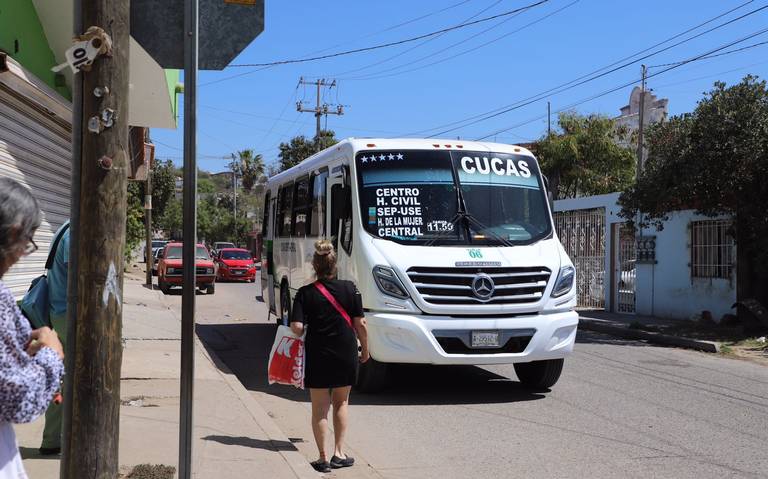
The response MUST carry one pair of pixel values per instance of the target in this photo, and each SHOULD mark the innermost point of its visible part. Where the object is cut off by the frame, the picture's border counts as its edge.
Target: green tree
(300, 148)
(714, 160)
(134, 222)
(586, 157)
(249, 167)
(163, 185)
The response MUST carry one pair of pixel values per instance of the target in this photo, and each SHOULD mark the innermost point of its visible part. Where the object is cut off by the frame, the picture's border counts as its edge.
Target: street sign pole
(190, 238)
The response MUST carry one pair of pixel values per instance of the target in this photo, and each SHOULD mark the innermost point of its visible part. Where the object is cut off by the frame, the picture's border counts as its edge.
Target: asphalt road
(621, 409)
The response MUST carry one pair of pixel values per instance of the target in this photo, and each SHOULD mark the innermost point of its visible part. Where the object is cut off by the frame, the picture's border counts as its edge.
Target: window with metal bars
(711, 249)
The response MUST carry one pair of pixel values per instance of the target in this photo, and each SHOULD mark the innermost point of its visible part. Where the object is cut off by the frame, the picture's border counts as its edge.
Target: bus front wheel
(539, 375)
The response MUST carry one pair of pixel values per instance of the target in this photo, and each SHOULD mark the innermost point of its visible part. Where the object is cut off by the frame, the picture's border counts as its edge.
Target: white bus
(451, 244)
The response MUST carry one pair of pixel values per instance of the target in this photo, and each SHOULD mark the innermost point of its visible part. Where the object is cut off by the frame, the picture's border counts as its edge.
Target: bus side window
(341, 210)
(284, 215)
(317, 218)
(300, 207)
(265, 219)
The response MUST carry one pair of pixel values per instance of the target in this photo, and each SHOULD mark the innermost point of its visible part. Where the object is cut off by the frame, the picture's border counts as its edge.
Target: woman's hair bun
(323, 247)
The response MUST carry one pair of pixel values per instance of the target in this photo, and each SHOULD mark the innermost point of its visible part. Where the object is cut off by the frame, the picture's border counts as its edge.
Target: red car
(235, 263)
(170, 272)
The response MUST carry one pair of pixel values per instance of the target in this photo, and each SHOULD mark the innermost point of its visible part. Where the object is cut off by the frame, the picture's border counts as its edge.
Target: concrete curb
(295, 460)
(657, 338)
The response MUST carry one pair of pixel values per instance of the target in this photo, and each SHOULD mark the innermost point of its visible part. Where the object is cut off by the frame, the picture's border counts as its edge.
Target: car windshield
(235, 255)
(224, 245)
(452, 197)
(174, 252)
(158, 244)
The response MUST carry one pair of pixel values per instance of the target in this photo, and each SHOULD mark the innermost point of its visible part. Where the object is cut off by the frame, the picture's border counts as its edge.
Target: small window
(284, 216)
(711, 249)
(317, 217)
(300, 207)
(265, 217)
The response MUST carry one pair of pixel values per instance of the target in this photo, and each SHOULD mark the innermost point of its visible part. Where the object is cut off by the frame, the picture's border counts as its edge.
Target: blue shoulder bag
(35, 305)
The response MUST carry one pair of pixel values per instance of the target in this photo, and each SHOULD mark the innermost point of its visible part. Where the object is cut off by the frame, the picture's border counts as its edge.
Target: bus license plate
(485, 339)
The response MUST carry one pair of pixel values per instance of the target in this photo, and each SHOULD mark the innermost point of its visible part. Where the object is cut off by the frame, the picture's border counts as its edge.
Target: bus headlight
(388, 282)
(564, 281)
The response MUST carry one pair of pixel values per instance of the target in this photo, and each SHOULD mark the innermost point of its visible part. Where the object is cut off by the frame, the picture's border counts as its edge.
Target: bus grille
(455, 285)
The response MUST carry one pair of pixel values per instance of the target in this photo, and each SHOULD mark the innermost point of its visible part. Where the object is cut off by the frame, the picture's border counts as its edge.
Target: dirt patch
(149, 471)
(752, 349)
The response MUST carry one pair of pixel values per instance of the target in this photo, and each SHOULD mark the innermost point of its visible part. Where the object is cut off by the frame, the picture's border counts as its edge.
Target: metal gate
(582, 234)
(625, 271)
(35, 142)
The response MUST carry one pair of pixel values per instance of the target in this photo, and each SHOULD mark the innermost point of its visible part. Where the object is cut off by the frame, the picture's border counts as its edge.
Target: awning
(149, 104)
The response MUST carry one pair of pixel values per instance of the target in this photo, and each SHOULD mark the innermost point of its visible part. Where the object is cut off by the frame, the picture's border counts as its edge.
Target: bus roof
(357, 144)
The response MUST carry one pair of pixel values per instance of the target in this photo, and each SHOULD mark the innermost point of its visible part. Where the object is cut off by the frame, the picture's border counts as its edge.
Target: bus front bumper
(408, 338)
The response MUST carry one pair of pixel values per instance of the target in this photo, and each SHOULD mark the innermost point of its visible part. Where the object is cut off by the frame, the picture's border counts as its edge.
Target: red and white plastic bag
(286, 361)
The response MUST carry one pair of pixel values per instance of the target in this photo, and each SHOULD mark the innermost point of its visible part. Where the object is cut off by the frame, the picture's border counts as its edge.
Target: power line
(585, 78)
(415, 46)
(378, 75)
(737, 50)
(633, 82)
(392, 44)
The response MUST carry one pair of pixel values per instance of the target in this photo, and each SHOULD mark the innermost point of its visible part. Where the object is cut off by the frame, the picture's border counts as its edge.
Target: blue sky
(422, 85)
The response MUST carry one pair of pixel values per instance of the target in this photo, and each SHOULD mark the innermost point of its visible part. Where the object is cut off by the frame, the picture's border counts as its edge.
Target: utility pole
(148, 224)
(549, 122)
(319, 110)
(93, 390)
(186, 390)
(641, 122)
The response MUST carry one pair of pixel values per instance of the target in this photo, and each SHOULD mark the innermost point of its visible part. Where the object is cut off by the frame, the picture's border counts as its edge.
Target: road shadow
(34, 453)
(244, 350)
(244, 441)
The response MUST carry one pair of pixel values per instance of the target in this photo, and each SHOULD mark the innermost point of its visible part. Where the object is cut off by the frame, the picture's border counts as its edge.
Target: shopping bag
(286, 361)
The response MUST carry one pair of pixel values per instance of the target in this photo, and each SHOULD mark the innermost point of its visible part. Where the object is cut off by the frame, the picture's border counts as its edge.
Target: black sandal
(321, 466)
(337, 462)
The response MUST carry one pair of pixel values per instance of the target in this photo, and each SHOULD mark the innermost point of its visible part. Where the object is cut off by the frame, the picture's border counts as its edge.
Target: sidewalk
(233, 435)
(648, 328)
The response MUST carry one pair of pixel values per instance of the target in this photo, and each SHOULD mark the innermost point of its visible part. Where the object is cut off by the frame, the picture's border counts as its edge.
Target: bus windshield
(452, 197)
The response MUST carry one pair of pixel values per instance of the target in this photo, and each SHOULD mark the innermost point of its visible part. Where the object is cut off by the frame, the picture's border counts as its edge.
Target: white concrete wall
(664, 289)
(667, 290)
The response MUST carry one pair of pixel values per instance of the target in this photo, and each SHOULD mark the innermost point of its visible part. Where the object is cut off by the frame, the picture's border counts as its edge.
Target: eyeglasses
(31, 247)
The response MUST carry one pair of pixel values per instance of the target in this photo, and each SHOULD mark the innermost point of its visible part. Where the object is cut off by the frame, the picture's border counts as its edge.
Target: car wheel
(164, 287)
(539, 375)
(210, 289)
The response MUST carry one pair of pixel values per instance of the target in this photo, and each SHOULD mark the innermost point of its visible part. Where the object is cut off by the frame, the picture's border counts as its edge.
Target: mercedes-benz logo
(483, 287)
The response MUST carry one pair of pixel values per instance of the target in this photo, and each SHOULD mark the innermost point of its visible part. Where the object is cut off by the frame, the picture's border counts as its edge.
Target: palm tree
(249, 166)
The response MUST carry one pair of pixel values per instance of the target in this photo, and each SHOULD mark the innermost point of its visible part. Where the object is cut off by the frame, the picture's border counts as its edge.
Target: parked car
(156, 259)
(170, 269)
(235, 264)
(156, 245)
(220, 245)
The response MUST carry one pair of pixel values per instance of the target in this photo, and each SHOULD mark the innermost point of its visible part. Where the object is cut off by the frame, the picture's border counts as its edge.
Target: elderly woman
(332, 311)
(30, 361)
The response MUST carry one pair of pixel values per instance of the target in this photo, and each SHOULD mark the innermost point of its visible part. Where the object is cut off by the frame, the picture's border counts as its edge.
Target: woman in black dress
(331, 349)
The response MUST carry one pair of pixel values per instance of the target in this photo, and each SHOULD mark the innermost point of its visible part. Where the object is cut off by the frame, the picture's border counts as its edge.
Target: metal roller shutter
(35, 146)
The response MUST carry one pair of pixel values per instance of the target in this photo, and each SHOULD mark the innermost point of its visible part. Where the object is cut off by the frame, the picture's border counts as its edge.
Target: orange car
(170, 270)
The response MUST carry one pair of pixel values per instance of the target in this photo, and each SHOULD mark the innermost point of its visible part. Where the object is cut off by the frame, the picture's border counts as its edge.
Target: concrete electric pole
(94, 352)
(641, 121)
(319, 110)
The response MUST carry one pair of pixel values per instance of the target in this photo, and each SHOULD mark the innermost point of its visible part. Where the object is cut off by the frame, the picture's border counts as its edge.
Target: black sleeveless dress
(331, 344)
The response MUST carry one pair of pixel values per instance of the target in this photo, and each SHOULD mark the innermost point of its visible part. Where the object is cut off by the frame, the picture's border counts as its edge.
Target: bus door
(267, 257)
(340, 216)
